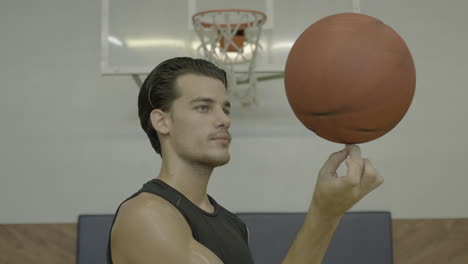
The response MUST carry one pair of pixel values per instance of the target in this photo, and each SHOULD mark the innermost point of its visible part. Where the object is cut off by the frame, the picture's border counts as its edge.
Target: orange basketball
(350, 78)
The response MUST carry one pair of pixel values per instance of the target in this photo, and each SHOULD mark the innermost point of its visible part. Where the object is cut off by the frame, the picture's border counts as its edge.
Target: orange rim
(241, 26)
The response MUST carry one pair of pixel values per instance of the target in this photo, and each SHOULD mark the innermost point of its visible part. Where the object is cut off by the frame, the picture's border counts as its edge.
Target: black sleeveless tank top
(221, 231)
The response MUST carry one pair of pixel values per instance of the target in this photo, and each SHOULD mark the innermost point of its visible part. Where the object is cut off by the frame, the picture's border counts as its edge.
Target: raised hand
(335, 194)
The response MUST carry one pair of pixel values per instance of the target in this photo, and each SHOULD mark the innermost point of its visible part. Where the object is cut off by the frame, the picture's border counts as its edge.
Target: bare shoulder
(148, 227)
(143, 211)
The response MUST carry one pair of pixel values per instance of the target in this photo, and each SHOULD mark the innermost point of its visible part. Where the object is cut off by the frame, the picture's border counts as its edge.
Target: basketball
(350, 78)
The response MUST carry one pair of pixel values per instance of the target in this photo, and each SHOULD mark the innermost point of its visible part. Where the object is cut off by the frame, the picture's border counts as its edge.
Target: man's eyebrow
(208, 100)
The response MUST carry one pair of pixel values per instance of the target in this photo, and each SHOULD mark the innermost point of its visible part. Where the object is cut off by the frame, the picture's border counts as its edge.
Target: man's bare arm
(333, 196)
(148, 229)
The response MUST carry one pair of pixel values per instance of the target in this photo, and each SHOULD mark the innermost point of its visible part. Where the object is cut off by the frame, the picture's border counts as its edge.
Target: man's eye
(202, 108)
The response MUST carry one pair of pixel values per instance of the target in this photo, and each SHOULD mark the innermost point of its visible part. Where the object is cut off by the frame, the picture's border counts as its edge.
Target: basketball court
(72, 146)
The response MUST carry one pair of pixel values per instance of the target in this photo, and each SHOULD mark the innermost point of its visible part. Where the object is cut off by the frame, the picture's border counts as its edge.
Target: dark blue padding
(93, 232)
(361, 237)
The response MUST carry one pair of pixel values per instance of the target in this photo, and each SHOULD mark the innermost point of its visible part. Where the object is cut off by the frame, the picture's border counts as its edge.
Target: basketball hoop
(230, 37)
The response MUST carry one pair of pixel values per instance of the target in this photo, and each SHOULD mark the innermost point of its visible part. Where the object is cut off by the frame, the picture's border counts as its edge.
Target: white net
(230, 39)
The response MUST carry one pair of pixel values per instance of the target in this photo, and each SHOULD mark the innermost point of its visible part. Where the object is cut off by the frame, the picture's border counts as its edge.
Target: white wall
(70, 141)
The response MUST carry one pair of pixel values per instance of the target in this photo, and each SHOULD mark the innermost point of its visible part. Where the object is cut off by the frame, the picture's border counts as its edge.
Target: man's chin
(218, 161)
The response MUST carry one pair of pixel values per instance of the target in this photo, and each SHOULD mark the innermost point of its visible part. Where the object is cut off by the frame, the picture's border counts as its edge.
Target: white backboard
(137, 35)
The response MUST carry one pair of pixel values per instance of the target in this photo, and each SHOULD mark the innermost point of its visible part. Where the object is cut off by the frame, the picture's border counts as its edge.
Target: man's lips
(223, 137)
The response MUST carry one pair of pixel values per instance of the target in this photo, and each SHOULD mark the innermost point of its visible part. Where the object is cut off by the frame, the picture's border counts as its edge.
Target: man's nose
(223, 119)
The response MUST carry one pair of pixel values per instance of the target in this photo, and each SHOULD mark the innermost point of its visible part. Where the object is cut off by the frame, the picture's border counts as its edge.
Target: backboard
(137, 35)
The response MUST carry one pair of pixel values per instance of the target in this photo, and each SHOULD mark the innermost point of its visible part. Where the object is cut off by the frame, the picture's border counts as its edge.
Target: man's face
(200, 120)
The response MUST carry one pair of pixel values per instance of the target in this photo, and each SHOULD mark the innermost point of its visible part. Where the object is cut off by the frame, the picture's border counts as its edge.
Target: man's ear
(160, 121)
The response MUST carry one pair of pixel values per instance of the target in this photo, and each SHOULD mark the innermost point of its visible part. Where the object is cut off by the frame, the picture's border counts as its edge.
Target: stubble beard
(215, 161)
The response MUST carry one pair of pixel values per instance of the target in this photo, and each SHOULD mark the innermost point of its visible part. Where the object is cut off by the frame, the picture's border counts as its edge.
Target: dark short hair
(158, 90)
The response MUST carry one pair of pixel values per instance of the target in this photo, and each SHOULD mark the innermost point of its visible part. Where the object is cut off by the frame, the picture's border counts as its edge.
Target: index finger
(354, 152)
(334, 161)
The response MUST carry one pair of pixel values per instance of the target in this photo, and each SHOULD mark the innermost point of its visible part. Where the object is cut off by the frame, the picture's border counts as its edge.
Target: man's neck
(189, 179)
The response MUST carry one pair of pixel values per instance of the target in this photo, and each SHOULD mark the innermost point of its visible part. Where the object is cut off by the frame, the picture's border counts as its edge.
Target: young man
(184, 109)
